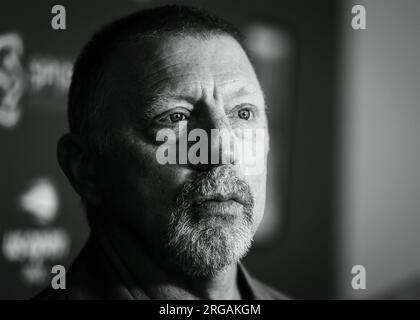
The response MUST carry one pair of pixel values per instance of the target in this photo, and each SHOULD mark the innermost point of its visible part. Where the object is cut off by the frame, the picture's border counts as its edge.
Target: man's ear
(79, 166)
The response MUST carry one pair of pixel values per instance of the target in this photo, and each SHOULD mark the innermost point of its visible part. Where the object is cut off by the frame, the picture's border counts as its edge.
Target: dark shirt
(96, 275)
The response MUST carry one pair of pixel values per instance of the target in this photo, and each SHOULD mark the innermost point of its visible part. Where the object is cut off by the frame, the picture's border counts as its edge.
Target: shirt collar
(247, 286)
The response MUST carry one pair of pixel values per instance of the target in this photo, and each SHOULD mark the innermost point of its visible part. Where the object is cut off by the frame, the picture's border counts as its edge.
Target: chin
(209, 247)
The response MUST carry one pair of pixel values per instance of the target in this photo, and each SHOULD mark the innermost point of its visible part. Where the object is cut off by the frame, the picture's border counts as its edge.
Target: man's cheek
(258, 188)
(166, 180)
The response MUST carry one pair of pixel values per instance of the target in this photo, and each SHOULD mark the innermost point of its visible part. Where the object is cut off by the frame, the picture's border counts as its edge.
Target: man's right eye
(176, 117)
(172, 118)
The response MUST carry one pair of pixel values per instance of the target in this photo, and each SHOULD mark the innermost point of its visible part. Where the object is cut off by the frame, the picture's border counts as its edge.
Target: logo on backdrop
(41, 72)
(35, 248)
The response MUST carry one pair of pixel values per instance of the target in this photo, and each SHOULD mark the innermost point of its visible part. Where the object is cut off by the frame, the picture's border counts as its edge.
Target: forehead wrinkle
(154, 86)
(150, 75)
(150, 63)
(216, 77)
(157, 53)
(159, 58)
(160, 43)
(185, 62)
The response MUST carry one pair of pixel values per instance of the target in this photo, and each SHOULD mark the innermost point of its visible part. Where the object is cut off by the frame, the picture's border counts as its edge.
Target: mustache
(218, 183)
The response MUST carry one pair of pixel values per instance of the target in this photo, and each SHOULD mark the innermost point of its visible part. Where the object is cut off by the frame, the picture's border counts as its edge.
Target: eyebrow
(237, 88)
(242, 92)
(157, 101)
(161, 98)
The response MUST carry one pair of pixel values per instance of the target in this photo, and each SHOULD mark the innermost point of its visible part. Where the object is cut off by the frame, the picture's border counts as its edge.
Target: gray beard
(203, 246)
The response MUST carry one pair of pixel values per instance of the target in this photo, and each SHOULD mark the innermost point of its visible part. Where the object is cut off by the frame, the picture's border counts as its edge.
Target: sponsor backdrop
(41, 219)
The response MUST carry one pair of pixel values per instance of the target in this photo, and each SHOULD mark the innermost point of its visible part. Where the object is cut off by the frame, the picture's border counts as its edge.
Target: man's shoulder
(266, 292)
(89, 277)
(257, 290)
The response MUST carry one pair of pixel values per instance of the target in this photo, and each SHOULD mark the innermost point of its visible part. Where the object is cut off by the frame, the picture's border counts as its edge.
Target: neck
(163, 281)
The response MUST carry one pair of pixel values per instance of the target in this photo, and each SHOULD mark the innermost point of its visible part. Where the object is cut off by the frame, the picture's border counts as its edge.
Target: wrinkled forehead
(178, 63)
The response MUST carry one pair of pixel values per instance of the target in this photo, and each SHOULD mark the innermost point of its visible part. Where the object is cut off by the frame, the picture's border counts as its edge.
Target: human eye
(173, 117)
(246, 112)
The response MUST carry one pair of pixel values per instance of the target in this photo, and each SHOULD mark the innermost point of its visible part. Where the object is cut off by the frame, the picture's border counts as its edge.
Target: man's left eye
(245, 114)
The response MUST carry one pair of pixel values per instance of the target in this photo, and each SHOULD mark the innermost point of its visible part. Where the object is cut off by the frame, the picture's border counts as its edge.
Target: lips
(219, 197)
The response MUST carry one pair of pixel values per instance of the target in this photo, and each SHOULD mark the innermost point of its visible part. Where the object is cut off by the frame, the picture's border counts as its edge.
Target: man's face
(201, 217)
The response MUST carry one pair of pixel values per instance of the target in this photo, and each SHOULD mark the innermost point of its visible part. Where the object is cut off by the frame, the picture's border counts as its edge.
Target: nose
(222, 142)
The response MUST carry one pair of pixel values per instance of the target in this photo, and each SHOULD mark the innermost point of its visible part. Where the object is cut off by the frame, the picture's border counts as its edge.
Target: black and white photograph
(225, 151)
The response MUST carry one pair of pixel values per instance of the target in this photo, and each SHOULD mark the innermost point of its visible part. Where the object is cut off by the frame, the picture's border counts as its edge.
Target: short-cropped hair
(86, 102)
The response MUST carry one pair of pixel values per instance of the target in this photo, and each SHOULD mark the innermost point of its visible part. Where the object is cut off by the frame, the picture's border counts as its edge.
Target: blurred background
(345, 140)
